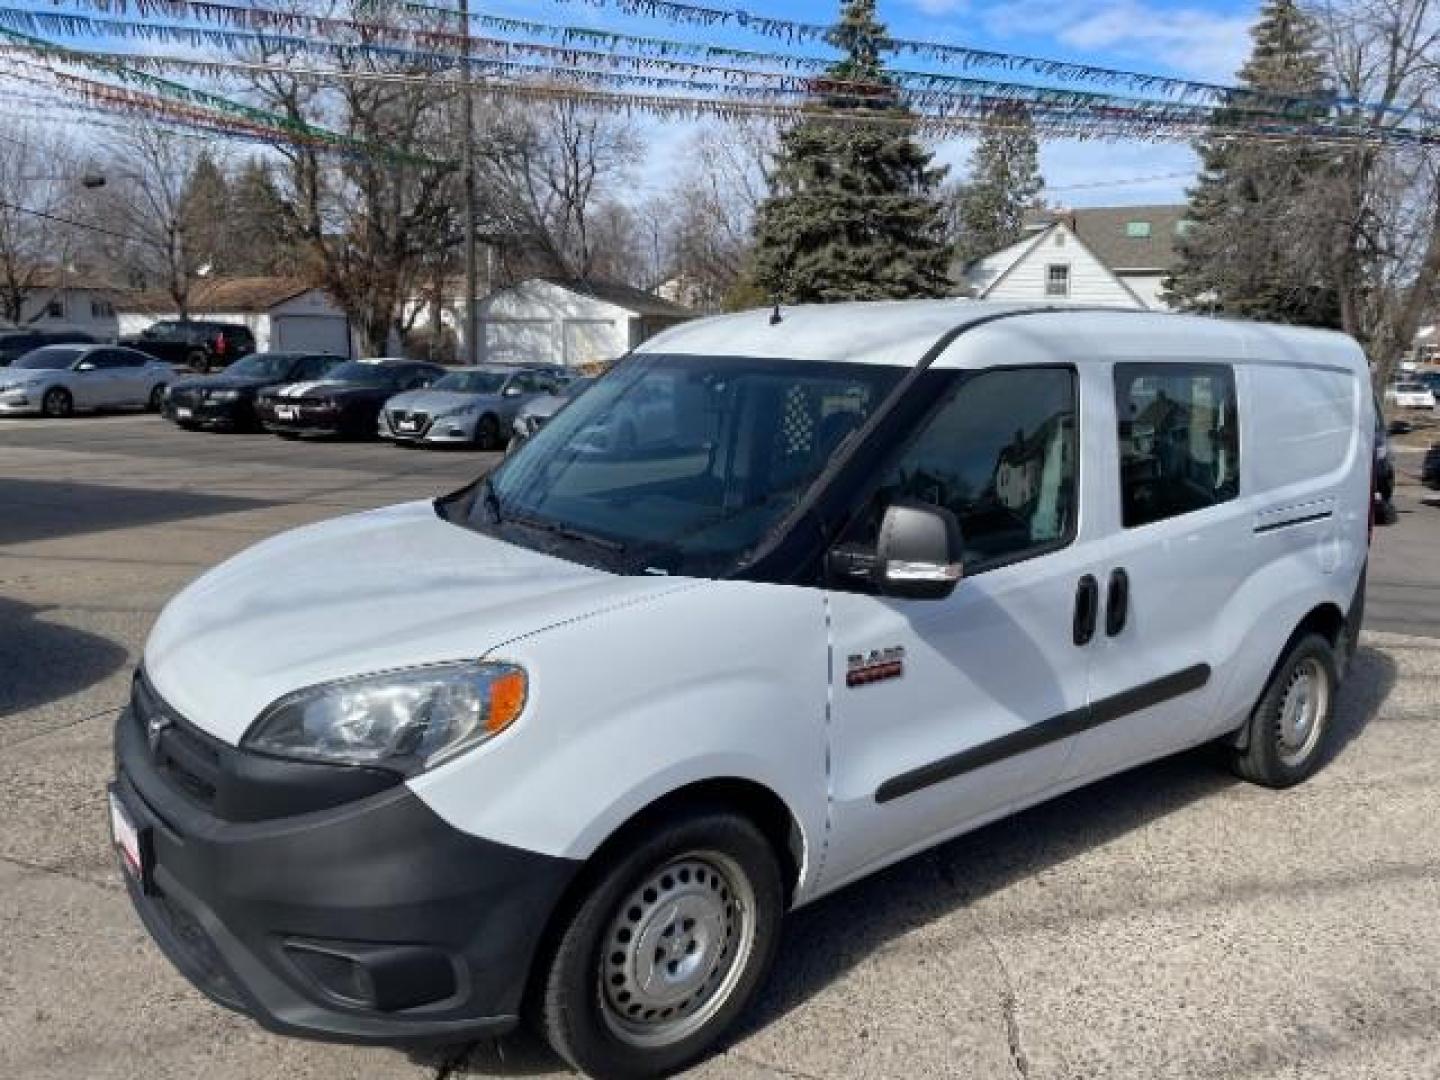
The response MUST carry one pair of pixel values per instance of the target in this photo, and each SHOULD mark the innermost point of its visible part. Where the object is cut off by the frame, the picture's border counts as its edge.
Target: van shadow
(47, 509)
(822, 943)
(44, 662)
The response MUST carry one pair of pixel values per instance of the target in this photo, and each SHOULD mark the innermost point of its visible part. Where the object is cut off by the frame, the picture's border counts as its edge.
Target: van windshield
(675, 464)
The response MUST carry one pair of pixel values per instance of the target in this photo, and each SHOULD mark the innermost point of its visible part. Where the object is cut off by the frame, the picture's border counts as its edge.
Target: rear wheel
(1290, 727)
(57, 402)
(666, 948)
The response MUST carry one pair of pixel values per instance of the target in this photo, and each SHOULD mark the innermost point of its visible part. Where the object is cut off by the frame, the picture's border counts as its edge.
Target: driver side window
(1002, 455)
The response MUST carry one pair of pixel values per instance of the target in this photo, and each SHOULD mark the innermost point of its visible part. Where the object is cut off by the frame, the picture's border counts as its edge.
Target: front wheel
(1290, 727)
(665, 950)
(57, 402)
(487, 433)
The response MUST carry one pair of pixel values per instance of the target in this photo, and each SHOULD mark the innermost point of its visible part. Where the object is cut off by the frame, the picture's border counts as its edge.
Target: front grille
(184, 756)
(409, 423)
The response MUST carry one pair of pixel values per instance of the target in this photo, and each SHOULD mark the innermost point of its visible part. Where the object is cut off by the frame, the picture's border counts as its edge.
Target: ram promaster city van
(568, 743)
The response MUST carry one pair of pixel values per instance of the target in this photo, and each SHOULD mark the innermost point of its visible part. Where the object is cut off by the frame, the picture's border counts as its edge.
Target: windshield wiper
(555, 528)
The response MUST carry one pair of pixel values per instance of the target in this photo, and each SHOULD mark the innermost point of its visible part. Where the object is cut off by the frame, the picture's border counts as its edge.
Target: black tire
(57, 402)
(157, 398)
(487, 432)
(1281, 753)
(702, 864)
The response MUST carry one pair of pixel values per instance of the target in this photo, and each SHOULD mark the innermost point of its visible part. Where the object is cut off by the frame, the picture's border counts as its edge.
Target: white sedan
(59, 379)
(1410, 395)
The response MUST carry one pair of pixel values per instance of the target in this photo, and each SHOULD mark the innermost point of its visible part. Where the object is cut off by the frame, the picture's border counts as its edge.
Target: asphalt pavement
(1170, 922)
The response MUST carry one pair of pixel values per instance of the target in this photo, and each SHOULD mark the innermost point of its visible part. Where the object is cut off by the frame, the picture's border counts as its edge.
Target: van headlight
(405, 720)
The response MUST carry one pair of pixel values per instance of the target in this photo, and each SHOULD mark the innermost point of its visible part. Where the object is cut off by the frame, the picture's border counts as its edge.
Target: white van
(568, 743)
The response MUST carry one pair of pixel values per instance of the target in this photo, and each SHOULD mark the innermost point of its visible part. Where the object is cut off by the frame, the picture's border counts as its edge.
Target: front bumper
(209, 413)
(372, 921)
(436, 431)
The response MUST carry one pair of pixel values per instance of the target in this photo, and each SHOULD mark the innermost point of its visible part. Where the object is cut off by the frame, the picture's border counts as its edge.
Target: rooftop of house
(241, 294)
(1124, 237)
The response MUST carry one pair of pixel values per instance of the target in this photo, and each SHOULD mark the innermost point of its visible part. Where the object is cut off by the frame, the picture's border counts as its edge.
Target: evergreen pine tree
(1003, 184)
(1250, 248)
(263, 243)
(853, 212)
(205, 214)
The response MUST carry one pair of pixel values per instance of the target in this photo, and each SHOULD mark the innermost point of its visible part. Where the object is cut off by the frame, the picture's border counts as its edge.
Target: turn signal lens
(507, 700)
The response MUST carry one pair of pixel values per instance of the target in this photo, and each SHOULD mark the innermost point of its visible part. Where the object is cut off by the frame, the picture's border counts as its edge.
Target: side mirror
(919, 555)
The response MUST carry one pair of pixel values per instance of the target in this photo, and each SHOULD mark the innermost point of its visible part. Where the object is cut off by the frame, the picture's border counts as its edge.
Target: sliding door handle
(1087, 609)
(1117, 603)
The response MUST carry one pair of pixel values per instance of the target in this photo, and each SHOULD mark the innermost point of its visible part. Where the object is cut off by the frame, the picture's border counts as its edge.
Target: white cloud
(1191, 40)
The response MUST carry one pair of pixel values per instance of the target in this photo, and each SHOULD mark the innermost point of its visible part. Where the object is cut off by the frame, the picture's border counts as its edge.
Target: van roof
(902, 332)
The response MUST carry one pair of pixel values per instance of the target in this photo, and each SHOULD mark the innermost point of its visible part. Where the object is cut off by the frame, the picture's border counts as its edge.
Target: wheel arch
(1325, 619)
(754, 800)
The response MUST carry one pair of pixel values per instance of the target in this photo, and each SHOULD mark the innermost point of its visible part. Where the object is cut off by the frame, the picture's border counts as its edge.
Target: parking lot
(1171, 922)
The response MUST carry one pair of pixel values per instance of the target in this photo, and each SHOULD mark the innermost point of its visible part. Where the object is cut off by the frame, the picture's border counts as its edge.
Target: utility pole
(467, 112)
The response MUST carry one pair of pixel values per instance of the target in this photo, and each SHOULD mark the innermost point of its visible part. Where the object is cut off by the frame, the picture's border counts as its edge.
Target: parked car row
(404, 401)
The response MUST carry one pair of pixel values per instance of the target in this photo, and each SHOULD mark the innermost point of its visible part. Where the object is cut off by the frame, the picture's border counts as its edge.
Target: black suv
(16, 343)
(200, 346)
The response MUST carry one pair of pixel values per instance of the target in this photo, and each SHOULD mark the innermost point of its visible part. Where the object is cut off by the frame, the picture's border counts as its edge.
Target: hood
(437, 401)
(544, 407)
(225, 382)
(14, 374)
(328, 388)
(386, 589)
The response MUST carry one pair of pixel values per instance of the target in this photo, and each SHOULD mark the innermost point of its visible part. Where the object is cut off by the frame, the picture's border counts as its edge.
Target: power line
(81, 225)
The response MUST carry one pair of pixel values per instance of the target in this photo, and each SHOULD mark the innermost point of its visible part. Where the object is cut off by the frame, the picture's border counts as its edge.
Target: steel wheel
(1303, 709)
(57, 402)
(675, 949)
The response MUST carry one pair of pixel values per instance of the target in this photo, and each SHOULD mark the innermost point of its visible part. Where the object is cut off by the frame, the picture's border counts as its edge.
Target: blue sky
(1200, 39)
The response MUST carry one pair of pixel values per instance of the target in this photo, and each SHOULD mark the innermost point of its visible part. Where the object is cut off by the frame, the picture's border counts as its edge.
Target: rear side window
(1179, 439)
(1000, 455)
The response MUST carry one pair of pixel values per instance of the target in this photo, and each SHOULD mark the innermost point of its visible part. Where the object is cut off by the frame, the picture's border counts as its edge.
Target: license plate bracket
(134, 843)
(286, 412)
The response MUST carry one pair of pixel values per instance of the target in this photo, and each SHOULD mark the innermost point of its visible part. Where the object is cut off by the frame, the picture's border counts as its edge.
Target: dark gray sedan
(473, 407)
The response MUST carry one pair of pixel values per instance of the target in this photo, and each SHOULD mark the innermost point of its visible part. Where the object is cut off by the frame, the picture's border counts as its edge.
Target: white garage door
(591, 341)
(518, 341)
(310, 333)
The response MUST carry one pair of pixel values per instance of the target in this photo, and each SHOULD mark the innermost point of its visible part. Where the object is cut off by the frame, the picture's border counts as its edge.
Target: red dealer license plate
(127, 838)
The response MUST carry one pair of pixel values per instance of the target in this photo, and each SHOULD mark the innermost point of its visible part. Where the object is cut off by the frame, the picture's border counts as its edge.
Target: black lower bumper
(373, 922)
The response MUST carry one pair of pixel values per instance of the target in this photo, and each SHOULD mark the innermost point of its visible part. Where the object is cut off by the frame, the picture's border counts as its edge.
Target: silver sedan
(57, 380)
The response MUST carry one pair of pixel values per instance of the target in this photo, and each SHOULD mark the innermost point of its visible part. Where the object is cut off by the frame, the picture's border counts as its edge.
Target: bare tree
(1380, 206)
(38, 175)
(710, 210)
(547, 173)
(371, 222)
(144, 204)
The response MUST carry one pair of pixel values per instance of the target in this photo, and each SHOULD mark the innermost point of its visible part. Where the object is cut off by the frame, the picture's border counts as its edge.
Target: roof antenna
(775, 317)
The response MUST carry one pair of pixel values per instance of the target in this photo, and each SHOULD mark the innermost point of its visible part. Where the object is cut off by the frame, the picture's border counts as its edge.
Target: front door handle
(1117, 603)
(1087, 609)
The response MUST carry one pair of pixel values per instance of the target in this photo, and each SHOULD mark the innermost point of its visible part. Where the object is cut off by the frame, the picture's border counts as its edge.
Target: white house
(577, 324)
(1115, 256)
(60, 301)
(284, 314)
